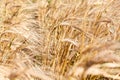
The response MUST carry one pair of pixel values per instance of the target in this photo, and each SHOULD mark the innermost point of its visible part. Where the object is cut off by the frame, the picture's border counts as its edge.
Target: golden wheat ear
(103, 63)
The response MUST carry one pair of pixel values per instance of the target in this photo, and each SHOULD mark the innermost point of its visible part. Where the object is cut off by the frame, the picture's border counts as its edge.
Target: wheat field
(59, 39)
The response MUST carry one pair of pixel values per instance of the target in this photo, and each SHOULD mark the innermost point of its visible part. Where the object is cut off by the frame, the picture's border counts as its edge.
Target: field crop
(59, 39)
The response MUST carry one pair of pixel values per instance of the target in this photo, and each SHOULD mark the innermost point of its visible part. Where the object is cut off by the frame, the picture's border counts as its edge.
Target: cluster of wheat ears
(59, 39)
